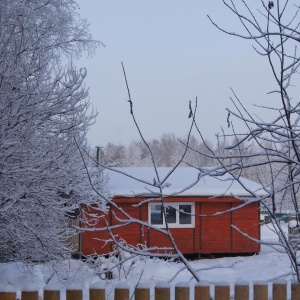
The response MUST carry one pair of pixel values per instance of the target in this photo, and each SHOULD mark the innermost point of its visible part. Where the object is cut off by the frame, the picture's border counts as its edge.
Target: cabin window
(156, 215)
(185, 216)
(177, 214)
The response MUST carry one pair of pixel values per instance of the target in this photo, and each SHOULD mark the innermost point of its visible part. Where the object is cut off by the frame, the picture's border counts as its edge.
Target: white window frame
(176, 206)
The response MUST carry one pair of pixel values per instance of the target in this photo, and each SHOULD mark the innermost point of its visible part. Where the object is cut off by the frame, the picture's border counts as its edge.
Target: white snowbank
(162, 285)
(241, 282)
(269, 265)
(74, 286)
(51, 287)
(122, 285)
(202, 283)
(143, 285)
(259, 282)
(182, 284)
(7, 288)
(222, 283)
(21, 277)
(98, 285)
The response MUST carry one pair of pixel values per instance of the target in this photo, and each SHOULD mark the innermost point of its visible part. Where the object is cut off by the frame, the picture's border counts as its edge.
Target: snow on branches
(43, 121)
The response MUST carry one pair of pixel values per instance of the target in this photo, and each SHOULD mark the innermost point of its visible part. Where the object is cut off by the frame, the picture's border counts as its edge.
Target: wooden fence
(279, 290)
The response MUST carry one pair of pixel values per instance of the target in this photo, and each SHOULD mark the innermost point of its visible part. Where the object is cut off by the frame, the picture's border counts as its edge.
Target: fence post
(97, 291)
(241, 290)
(121, 291)
(279, 290)
(29, 295)
(97, 294)
(222, 291)
(142, 292)
(260, 290)
(162, 291)
(182, 291)
(295, 290)
(202, 291)
(8, 296)
(72, 294)
(51, 295)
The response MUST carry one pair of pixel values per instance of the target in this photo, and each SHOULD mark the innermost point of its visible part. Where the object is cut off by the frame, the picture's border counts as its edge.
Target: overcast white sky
(172, 53)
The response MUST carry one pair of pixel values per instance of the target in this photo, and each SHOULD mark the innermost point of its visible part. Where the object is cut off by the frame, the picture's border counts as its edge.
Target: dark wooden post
(142, 292)
(182, 291)
(260, 290)
(97, 294)
(202, 291)
(279, 290)
(121, 291)
(51, 295)
(162, 291)
(73, 294)
(222, 291)
(29, 295)
(241, 291)
(97, 291)
(295, 290)
(8, 296)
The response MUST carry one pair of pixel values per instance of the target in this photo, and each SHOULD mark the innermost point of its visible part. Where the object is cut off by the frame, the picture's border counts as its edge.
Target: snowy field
(269, 265)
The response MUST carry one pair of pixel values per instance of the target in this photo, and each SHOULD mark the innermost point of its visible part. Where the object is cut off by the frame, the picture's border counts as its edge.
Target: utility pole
(98, 155)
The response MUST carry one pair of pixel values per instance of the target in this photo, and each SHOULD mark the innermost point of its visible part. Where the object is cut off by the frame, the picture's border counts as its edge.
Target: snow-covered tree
(268, 150)
(44, 119)
(273, 28)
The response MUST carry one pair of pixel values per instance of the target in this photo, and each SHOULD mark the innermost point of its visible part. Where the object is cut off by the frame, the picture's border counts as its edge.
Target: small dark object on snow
(109, 275)
(271, 4)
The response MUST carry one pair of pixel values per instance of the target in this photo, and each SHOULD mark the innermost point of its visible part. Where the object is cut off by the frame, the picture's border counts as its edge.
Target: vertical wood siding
(211, 234)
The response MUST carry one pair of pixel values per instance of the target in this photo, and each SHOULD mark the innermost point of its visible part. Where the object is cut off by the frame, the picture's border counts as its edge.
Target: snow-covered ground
(267, 266)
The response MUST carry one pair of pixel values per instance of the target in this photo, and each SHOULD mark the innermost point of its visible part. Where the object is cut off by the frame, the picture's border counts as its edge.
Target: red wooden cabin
(192, 214)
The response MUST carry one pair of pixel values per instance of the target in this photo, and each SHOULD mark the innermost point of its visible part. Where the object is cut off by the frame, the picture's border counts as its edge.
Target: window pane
(183, 217)
(171, 214)
(156, 214)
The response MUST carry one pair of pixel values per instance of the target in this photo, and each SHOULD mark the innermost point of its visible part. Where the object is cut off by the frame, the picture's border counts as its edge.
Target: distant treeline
(169, 149)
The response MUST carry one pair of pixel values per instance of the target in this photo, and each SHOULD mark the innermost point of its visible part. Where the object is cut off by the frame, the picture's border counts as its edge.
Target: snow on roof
(182, 182)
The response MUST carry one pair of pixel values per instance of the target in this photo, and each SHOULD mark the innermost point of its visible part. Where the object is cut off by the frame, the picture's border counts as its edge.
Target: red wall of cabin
(211, 234)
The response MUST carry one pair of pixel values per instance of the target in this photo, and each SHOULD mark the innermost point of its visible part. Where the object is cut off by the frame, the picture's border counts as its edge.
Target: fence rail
(279, 290)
